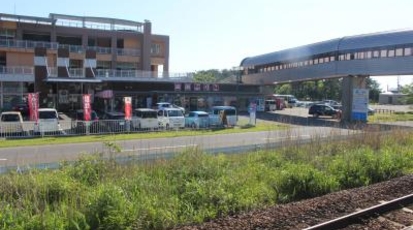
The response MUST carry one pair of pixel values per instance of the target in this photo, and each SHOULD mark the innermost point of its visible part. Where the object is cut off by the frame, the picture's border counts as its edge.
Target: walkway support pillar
(348, 85)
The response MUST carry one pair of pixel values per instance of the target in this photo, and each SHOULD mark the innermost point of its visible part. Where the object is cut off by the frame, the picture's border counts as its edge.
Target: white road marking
(159, 148)
(286, 137)
(3, 159)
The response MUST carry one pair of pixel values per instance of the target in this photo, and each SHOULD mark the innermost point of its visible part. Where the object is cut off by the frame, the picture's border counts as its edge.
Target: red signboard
(187, 86)
(197, 87)
(206, 87)
(215, 87)
(33, 100)
(128, 108)
(87, 110)
(178, 86)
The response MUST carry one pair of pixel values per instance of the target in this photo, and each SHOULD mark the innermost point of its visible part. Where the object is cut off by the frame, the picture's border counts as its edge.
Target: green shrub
(301, 181)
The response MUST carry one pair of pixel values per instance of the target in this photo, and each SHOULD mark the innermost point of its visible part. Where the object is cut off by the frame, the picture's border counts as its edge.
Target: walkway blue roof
(366, 41)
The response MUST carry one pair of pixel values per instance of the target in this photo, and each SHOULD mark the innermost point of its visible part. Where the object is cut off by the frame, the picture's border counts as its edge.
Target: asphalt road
(161, 147)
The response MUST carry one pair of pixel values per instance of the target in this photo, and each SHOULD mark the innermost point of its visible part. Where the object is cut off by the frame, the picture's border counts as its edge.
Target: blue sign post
(252, 109)
(360, 105)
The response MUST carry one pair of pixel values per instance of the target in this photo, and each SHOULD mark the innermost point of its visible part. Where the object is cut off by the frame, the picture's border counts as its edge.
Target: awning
(73, 80)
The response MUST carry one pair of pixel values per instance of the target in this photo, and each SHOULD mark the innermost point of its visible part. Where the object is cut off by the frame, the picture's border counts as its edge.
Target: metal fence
(29, 129)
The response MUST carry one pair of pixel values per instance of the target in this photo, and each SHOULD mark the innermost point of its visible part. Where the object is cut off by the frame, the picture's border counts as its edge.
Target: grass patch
(193, 187)
(390, 117)
(242, 126)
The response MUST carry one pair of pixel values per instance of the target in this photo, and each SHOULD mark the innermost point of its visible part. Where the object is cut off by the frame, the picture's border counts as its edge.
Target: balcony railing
(26, 44)
(101, 50)
(73, 72)
(139, 74)
(16, 70)
(72, 48)
(129, 52)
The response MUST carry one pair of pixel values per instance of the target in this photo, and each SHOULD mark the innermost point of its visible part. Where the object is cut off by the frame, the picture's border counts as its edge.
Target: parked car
(81, 125)
(332, 102)
(162, 105)
(197, 119)
(11, 123)
(114, 121)
(223, 115)
(270, 105)
(48, 122)
(370, 111)
(171, 118)
(323, 110)
(143, 118)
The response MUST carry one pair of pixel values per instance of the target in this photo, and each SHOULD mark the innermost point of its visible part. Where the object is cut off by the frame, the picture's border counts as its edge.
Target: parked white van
(145, 119)
(218, 114)
(171, 118)
(48, 122)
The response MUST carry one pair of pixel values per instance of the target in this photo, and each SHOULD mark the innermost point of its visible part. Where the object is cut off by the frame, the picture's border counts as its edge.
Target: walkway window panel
(407, 51)
(383, 53)
(391, 53)
(376, 54)
(399, 52)
(368, 54)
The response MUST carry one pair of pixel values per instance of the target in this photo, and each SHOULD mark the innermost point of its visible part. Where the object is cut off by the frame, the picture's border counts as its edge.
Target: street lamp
(238, 80)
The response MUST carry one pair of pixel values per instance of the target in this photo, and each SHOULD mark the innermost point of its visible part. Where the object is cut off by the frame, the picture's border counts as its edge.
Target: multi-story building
(65, 56)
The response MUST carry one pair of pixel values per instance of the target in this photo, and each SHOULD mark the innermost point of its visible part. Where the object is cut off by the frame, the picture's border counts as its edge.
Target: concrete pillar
(146, 46)
(349, 83)
(40, 71)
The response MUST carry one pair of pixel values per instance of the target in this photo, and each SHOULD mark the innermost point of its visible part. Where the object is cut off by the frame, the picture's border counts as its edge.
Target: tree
(283, 89)
(408, 90)
(213, 75)
(374, 89)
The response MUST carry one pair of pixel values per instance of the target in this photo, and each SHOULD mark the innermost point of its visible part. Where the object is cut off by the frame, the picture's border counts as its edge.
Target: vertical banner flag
(33, 106)
(128, 108)
(86, 107)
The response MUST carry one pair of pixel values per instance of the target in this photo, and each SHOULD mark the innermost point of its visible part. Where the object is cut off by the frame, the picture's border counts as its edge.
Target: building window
(391, 53)
(376, 54)
(367, 54)
(156, 49)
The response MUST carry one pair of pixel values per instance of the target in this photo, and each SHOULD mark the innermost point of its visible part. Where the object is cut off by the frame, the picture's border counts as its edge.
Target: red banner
(128, 108)
(87, 110)
(33, 100)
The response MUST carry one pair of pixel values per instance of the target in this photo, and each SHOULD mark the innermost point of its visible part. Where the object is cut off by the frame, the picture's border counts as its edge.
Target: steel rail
(362, 214)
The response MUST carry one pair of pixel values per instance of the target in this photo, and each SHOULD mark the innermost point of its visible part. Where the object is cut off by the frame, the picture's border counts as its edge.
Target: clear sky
(218, 34)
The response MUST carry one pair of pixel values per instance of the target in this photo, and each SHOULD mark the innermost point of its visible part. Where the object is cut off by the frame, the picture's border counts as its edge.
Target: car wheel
(167, 126)
(193, 126)
(316, 115)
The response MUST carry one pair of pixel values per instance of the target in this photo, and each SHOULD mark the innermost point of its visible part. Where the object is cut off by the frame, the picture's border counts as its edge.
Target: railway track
(372, 213)
(331, 211)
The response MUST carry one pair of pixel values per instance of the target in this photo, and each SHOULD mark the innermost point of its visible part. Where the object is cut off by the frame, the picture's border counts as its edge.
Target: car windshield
(47, 115)
(202, 115)
(175, 113)
(10, 117)
(152, 114)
